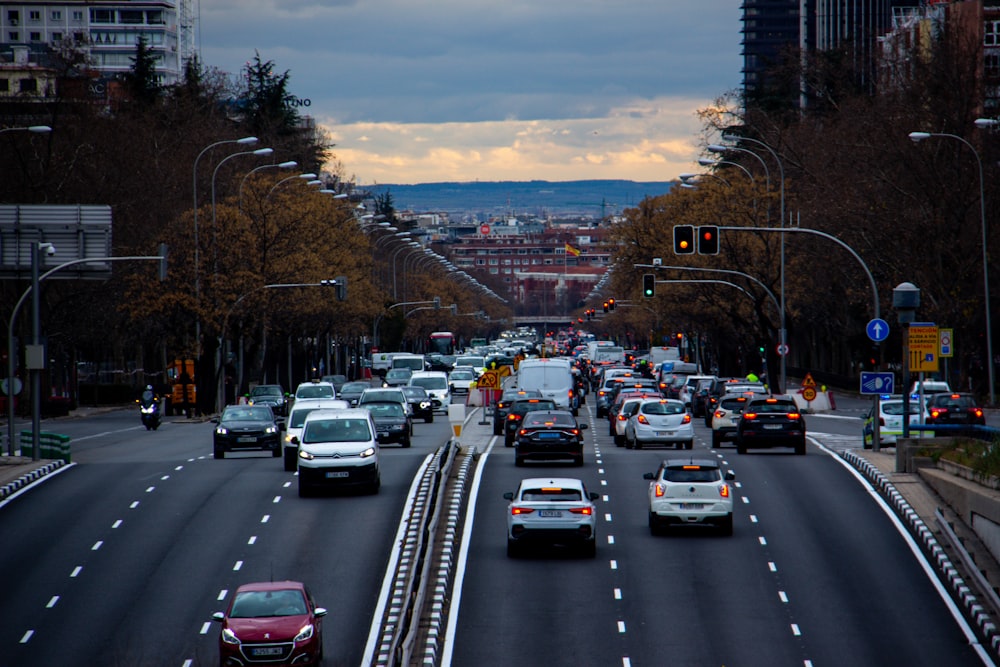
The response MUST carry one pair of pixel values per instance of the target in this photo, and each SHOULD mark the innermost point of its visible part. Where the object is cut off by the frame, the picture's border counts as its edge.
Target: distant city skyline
(474, 90)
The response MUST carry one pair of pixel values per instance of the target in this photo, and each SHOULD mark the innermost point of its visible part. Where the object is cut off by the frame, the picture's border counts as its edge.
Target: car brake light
(936, 412)
(642, 419)
(512, 417)
(750, 415)
(659, 490)
(520, 510)
(622, 417)
(720, 413)
(794, 415)
(724, 490)
(687, 418)
(978, 412)
(581, 510)
(575, 431)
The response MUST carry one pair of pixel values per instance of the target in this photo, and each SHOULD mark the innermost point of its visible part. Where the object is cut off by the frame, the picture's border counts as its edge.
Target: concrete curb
(28, 478)
(946, 571)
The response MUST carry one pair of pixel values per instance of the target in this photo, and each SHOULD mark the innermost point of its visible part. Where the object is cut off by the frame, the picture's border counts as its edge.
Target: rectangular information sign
(923, 345)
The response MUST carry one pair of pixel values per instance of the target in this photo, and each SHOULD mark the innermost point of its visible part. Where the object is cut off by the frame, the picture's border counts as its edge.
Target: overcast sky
(461, 90)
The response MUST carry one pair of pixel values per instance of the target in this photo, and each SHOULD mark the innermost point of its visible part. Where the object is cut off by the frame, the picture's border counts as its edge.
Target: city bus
(442, 342)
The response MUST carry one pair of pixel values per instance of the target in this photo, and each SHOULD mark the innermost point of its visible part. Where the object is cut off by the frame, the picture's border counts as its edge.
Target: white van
(415, 362)
(553, 377)
(434, 383)
(338, 448)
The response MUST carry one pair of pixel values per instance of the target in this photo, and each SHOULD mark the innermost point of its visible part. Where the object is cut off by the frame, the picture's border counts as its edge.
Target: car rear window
(733, 404)
(691, 474)
(298, 417)
(543, 419)
(385, 409)
(662, 408)
(552, 493)
(777, 406)
(430, 382)
(317, 391)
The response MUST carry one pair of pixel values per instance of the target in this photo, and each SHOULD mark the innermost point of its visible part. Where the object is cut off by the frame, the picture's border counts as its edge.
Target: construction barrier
(50, 445)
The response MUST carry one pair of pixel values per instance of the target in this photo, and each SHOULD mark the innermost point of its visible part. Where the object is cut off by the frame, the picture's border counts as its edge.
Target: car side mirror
(218, 616)
(729, 476)
(649, 475)
(583, 427)
(509, 495)
(319, 611)
(594, 496)
(215, 420)
(295, 440)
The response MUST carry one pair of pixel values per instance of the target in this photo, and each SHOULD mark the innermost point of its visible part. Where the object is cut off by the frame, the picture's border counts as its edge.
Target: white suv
(690, 491)
(434, 383)
(338, 448)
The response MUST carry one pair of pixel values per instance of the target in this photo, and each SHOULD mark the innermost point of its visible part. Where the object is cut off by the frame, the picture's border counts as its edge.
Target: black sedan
(271, 395)
(243, 427)
(516, 413)
(549, 435)
(502, 407)
(392, 424)
(771, 421)
(351, 391)
(422, 404)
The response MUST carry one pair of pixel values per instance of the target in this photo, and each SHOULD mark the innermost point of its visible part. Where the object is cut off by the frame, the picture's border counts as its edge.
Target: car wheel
(740, 447)
(800, 448)
(304, 491)
(716, 440)
(654, 525)
(429, 419)
(726, 525)
(689, 444)
(497, 430)
(373, 489)
(518, 461)
(611, 428)
(513, 549)
(590, 549)
(619, 440)
(220, 453)
(636, 444)
(406, 443)
(276, 452)
(628, 443)
(508, 442)
(291, 460)
(578, 461)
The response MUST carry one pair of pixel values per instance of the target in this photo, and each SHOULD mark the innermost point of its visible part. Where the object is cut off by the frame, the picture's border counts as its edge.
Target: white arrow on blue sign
(877, 383)
(877, 330)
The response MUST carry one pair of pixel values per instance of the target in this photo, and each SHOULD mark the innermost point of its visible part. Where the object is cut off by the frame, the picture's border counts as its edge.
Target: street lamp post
(281, 165)
(917, 137)
(412, 245)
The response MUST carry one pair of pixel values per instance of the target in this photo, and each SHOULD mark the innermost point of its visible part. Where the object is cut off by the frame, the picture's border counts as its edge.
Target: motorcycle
(149, 411)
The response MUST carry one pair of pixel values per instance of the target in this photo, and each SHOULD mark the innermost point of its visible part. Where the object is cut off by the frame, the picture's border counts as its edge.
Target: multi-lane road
(122, 559)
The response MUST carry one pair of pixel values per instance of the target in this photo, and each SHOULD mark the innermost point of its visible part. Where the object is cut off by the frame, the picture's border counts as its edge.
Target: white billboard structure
(77, 232)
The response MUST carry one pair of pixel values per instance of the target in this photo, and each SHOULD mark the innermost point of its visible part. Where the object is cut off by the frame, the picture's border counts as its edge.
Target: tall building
(107, 31)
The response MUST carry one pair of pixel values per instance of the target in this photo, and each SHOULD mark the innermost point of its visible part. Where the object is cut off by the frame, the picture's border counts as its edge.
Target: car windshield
(430, 382)
(399, 373)
(266, 391)
(353, 387)
(336, 430)
(385, 409)
(298, 417)
(461, 375)
(687, 474)
(315, 391)
(246, 414)
(552, 493)
(264, 604)
(662, 408)
(415, 392)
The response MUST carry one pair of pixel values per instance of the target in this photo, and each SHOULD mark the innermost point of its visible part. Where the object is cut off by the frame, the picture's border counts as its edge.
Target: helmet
(149, 387)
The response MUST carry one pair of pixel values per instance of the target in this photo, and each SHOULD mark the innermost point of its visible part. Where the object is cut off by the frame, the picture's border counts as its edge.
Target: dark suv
(502, 407)
(771, 421)
(518, 409)
(955, 409)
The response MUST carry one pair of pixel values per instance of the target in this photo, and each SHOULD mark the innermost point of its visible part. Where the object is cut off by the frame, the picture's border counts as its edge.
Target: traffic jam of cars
(333, 438)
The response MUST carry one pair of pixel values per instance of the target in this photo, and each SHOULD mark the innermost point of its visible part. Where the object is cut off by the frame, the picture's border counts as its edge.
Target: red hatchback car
(271, 623)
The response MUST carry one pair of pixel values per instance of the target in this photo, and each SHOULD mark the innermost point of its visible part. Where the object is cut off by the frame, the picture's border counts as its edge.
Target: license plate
(664, 433)
(772, 427)
(692, 506)
(247, 438)
(550, 514)
(337, 475)
(548, 436)
(270, 650)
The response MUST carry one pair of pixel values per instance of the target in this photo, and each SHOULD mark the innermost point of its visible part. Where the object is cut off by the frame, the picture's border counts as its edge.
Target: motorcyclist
(148, 395)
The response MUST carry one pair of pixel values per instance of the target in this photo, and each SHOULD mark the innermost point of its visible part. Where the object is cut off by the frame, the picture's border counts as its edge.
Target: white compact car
(338, 448)
(434, 383)
(551, 510)
(660, 421)
(690, 491)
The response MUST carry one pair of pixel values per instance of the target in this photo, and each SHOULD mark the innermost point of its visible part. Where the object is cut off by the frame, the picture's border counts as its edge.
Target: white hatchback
(660, 421)
(551, 510)
(690, 491)
(434, 383)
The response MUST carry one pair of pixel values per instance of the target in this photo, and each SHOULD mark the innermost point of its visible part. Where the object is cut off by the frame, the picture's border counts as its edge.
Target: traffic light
(649, 285)
(708, 240)
(341, 288)
(683, 240)
(611, 304)
(761, 350)
(606, 306)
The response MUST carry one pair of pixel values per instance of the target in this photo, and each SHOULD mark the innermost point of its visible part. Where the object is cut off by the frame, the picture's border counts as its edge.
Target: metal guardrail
(977, 431)
(399, 625)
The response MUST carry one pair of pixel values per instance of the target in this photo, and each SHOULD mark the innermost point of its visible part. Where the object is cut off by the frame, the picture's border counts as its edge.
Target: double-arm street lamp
(917, 137)
(290, 164)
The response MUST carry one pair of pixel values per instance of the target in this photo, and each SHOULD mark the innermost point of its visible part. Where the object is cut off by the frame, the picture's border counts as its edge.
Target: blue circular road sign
(877, 330)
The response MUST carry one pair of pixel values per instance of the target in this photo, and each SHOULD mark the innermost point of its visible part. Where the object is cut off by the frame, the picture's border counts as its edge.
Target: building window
(34, 16)
(494, 262)
(155, 17)
(56, 15)
(13, 17)
(4, 85)
(494, 272)
(57, 37)
(13, 36)
(78, 36)
(480, 262)
(77, 16)
(992, 65)
(29, 85)
(102, 16)
(131, 16)
(35, 36)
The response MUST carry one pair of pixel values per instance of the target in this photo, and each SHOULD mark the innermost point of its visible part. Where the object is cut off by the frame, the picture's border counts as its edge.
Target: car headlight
(368, 453)
(222, 430)
(229, 636)
(271, 429)
(424, 405)
(303, 454)
(305, 633)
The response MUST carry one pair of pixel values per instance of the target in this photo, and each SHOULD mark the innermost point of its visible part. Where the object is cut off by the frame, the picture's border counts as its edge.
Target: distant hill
(484, 199)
